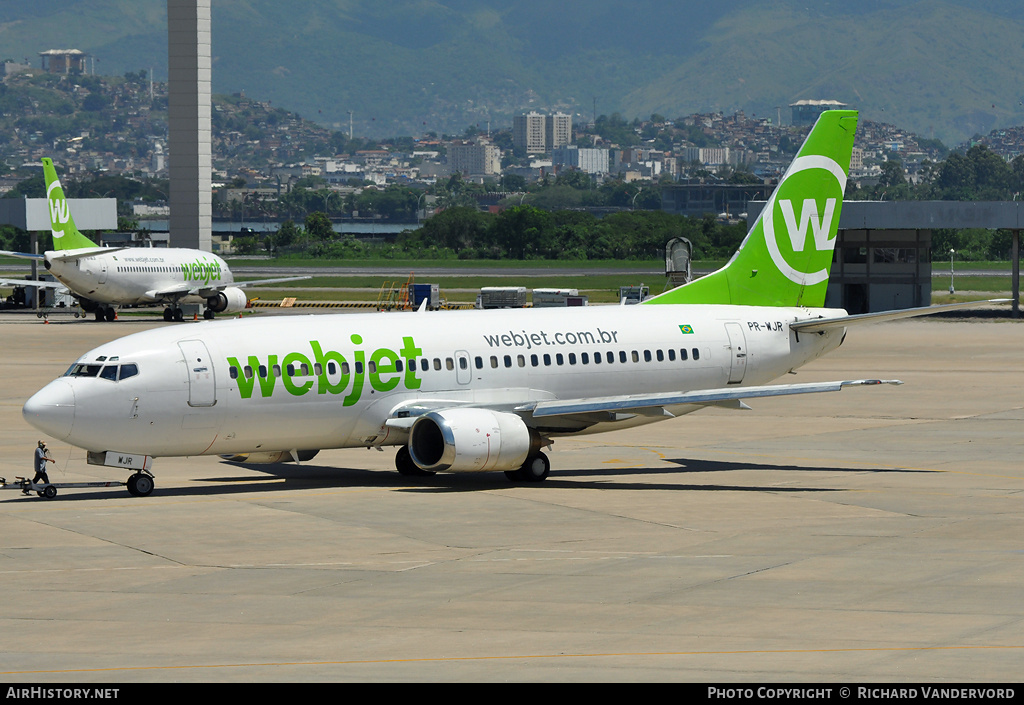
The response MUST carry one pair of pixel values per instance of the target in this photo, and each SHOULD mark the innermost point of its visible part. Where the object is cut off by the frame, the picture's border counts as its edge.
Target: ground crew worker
(39, 461)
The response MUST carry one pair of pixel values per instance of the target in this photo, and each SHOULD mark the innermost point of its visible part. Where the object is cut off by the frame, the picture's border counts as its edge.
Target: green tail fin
(786, 257)
(62, 225)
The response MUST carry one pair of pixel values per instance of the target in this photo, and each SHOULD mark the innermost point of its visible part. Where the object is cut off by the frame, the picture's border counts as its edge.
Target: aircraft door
(737, 352)
(202, 389)
(463, 367)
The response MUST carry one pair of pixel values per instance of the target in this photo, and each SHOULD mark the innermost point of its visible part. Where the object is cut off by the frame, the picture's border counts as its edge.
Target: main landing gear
(173, 314)
(105, 313)
(405, 466)
(535, 469)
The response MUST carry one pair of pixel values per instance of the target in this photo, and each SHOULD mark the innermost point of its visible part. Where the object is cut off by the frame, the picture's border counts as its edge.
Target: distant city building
(63, 60)
(474, 158)
(806, 112)
(557, 130)
(708, 156)
(9, 68)
(537, 133)
(528, 132)
(588, 159)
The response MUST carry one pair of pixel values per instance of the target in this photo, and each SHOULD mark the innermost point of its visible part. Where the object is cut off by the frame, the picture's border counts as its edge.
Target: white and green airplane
(476, 390)
(101, 278)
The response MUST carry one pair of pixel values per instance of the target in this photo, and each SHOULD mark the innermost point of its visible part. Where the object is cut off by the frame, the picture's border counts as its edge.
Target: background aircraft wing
(171, 292)
(262, 282)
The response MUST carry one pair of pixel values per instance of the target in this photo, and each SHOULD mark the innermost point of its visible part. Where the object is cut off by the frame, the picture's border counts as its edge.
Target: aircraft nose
(52, 409)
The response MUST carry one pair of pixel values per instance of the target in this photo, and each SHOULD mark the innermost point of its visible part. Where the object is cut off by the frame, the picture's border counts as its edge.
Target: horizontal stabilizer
(84, 252)
(30, 282)
(20, 255)
(639, 402)
(822, 324)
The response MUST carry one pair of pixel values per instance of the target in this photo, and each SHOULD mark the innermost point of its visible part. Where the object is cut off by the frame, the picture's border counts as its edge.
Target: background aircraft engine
(231, 300)
(268, 457)
(466, 440)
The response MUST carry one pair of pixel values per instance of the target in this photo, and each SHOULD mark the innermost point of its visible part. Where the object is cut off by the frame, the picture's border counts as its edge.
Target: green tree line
(517, 233)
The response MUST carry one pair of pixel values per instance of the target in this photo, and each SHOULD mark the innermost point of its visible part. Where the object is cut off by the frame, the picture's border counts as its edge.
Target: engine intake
(231, 300)
(468, 440)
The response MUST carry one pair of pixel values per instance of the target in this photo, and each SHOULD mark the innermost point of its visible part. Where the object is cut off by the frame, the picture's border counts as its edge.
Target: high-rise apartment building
(538, 133)
(557, 130)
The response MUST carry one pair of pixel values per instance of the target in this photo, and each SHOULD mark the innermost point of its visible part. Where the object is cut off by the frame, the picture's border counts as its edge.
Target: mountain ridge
(942, 68)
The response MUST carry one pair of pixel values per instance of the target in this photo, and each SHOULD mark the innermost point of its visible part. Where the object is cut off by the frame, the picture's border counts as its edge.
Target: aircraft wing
(817, 325)
(263, 282)
(588, 411)
(21, 255)
(171, 292)
(654, 404)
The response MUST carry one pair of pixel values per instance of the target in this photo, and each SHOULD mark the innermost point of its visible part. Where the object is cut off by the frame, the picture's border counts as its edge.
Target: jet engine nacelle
(467, 440)
(268, 457)
(231, 300)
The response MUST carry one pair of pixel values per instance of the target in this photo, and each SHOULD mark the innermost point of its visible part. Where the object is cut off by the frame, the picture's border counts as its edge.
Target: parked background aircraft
(477, 390)
(102, 278)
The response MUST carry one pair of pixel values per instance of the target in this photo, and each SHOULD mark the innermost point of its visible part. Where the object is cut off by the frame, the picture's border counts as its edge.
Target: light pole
(951, 253)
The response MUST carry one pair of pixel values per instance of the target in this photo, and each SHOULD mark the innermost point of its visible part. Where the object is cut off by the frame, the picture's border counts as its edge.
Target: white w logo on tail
(59, 211)
(809, 216)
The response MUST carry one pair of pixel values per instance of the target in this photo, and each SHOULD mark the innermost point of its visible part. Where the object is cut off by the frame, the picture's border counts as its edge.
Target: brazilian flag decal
(686, 330)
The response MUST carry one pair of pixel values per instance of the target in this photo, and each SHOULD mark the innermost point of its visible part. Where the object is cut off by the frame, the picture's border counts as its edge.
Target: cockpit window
(110, 372)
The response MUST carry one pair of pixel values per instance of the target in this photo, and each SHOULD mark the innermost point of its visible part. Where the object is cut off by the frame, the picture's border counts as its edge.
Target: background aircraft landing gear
(173, 314)
(105, 313)
(140, 484)
(535, 469)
